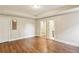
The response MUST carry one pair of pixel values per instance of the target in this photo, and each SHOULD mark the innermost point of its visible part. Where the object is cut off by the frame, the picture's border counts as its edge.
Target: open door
(51, 29)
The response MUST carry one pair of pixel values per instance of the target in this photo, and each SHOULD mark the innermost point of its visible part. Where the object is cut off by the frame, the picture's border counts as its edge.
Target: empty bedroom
(39, 28)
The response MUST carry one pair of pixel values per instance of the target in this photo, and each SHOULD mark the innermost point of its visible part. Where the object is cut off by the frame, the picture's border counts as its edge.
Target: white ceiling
(25, 10)
(28, 9)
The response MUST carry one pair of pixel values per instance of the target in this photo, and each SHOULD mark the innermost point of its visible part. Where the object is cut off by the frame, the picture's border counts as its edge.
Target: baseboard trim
(4, 41)
(19, 38)
(69, 43)
(22, 38)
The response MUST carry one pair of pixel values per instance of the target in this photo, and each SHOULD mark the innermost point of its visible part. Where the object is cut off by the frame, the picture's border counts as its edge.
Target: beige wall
(37, 27)
(25, 28)
(67, 28)
(4, 28)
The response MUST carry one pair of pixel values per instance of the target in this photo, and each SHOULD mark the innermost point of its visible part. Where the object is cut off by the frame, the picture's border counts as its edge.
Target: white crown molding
(59, 11)
(14, 13)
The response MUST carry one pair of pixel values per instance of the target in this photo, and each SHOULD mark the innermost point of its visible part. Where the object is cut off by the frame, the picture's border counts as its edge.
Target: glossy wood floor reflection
(36, 45)
(58, 47)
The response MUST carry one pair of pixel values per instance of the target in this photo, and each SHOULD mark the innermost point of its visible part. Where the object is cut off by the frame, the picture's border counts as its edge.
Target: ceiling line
(17, 16)
(62, 13)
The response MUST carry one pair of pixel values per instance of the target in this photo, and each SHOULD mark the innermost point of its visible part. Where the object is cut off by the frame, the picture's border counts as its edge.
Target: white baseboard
(21, 38)
(66, 42)
(17, 38)
(3, 41)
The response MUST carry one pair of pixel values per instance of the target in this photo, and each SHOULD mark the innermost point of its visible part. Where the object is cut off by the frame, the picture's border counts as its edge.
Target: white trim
(17, 38)
(4, 41)
(21, 38)
(51, 14)
(66, 42)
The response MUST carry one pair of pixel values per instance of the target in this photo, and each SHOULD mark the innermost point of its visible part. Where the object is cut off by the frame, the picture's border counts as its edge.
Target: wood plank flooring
(36, 45)
(58, 47)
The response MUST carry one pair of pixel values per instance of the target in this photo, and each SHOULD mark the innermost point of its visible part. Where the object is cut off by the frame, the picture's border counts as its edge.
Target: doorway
(47, 29)
(51, 29)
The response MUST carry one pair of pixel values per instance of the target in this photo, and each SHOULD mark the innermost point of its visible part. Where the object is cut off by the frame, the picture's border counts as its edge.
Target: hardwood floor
(36, 45)
(58, 47)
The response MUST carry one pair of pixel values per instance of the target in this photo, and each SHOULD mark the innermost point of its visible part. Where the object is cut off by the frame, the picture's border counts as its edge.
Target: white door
(51, 29)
